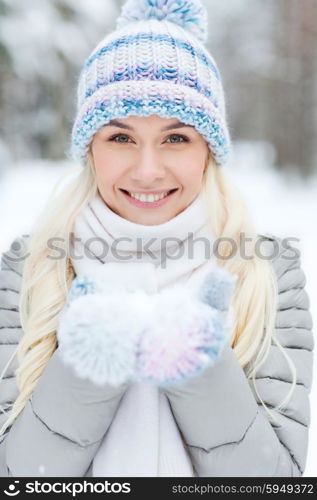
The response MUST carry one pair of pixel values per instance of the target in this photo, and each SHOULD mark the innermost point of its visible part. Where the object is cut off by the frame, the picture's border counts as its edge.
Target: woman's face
(146, 155)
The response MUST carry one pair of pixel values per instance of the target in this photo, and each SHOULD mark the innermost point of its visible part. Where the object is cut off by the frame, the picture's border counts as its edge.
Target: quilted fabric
(59, 435)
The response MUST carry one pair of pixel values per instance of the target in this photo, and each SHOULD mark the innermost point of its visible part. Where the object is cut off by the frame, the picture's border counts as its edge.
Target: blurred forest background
(266, 52)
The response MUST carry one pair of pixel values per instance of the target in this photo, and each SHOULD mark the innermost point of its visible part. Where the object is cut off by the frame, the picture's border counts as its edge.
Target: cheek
(190, 171)
(195, 157)
(192, 179)
(104, 162)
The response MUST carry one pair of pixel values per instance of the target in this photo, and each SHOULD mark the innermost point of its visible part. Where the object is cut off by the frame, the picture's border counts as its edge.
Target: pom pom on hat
(189, 14)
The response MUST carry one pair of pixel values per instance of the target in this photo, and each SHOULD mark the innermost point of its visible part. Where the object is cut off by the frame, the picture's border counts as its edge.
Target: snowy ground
(285, 207)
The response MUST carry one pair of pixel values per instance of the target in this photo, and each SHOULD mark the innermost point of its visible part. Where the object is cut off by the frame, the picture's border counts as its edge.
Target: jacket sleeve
(60, 429)
(221, 418)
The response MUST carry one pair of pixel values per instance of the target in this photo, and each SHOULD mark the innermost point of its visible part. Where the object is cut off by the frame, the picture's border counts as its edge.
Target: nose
(148, 167)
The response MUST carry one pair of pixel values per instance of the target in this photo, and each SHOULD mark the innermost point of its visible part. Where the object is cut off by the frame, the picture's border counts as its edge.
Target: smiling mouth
(149, 197)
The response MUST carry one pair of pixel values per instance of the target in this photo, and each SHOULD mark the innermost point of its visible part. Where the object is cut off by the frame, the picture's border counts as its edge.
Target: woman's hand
(102, 320)
(113, 329)
(186, 329)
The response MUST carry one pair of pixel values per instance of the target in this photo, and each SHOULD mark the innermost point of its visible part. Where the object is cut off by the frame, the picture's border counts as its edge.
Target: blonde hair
(46, 281)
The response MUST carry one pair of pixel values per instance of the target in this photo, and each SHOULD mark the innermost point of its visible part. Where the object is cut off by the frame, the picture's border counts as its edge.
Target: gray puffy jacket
(60, 429)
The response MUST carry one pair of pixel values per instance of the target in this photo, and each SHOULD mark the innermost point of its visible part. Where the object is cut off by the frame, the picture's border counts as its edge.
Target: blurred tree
(293, 89)
(266, 52)
(42, 48)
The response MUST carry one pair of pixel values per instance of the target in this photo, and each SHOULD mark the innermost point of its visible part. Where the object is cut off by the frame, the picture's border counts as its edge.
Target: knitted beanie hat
(154, 63)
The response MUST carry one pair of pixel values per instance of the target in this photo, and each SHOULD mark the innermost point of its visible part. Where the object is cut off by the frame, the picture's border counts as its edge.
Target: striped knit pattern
(151, 66)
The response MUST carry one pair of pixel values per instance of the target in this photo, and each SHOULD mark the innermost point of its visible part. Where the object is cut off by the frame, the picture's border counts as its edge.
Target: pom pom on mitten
(98, 335)
(217, 288)
(112, 335)
(188, 334)
(102, 319)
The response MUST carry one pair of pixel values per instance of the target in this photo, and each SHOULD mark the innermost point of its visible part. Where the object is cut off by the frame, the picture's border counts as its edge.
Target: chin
(151, 220)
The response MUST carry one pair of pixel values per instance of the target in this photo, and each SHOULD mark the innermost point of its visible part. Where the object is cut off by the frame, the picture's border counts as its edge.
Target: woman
(140, 352)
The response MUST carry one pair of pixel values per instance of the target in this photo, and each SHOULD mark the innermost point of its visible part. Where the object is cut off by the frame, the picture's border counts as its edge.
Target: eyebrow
(116, 123)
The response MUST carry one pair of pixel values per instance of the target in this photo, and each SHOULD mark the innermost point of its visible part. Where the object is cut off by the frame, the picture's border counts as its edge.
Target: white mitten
(102, 320)
(113, 329)
(187, 328)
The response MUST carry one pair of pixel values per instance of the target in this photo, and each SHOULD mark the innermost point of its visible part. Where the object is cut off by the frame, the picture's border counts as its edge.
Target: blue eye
(179, 136)
(118, 135)
(184, 139)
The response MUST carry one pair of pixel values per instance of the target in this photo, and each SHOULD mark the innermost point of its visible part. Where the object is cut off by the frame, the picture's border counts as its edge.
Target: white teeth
(150, 198)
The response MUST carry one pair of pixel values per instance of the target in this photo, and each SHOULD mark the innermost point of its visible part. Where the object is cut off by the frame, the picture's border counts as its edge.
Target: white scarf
(143, 439)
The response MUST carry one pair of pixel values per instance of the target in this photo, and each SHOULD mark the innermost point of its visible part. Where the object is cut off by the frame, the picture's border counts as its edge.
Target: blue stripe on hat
(103, 113)
(131, 73)
(181, 44)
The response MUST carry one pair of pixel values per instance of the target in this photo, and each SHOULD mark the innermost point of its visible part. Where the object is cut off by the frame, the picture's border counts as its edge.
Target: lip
(145, 204)
(157, 191)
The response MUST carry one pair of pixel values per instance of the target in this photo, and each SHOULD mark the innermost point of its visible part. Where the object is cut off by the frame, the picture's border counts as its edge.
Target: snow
(285, 206)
